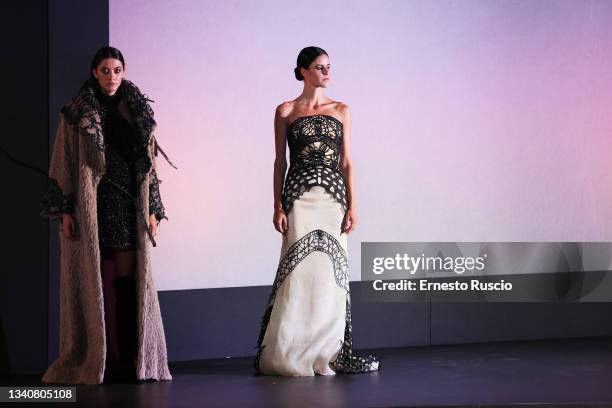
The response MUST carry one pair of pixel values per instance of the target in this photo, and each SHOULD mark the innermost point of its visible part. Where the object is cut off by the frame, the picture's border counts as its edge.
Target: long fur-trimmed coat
(77, 165)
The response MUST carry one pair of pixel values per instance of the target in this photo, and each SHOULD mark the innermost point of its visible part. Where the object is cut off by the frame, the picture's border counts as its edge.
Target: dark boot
(112, 347)
(125, 292)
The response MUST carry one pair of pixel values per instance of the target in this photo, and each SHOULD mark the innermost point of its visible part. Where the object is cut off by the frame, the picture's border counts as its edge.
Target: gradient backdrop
(472, 121)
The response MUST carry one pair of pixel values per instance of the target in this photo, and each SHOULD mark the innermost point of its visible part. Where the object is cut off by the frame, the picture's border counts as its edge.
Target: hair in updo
(104, 53)
(305, 58)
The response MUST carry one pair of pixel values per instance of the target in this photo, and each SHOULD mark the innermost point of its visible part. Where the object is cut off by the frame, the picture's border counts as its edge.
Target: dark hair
(305, 58)
(103, 53)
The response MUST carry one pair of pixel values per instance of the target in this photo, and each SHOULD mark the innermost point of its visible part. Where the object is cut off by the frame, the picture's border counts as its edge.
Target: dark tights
(120, 315)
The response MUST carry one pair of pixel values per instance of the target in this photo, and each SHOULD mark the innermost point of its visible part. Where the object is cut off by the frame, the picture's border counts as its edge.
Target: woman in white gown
(306, 329)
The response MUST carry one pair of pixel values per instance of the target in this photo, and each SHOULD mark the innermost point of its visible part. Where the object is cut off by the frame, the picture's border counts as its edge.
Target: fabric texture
(305, 330)
(314, 146)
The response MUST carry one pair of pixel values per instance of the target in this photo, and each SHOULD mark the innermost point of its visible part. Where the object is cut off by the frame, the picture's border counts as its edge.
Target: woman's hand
(349, 222)
(280, 221)
(153, 225)
(68, 227)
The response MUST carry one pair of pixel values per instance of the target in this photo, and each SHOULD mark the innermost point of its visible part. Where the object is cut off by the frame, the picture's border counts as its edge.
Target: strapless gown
(306, 328)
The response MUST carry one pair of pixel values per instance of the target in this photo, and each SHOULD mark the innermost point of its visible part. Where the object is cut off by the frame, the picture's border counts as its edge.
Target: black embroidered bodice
(314, 150)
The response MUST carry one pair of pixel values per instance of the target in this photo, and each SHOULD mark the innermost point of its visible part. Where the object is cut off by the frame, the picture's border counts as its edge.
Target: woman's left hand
(153, 225)
(350, 221)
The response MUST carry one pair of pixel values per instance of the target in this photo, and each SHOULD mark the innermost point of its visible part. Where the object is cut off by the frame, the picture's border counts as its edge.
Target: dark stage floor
(571, 373)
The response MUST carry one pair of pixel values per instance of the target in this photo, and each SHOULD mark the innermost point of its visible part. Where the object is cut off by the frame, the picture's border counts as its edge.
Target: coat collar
(84, 111)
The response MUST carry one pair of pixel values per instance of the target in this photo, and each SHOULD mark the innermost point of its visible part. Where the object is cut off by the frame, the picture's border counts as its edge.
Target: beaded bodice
(314, 149)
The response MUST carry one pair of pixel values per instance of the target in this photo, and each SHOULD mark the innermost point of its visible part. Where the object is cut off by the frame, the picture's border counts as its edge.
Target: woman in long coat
(105, 191)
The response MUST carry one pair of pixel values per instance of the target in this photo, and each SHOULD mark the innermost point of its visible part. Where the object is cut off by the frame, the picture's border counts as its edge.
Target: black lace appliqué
(85, 111)
(142, 114)
(346, 362)
(82, 111)
(318, 240)
(55, 202)
(155, 202)
(314, 146)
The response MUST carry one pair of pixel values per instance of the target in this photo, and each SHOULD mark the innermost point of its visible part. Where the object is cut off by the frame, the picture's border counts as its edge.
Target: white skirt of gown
(306, 329)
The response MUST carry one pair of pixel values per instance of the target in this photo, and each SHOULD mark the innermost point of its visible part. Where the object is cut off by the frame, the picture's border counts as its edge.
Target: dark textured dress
(117, 214)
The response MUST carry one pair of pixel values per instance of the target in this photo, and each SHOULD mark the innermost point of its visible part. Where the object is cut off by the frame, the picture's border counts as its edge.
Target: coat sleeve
(59, 198)
(155, 202)
(156, 206)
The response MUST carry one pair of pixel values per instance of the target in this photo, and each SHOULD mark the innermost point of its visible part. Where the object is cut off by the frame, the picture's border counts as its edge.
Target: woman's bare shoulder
(342, 111)
(285, 109)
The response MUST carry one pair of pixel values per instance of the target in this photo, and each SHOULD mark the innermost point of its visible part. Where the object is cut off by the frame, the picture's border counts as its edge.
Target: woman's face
(109, 74)
(317, 74)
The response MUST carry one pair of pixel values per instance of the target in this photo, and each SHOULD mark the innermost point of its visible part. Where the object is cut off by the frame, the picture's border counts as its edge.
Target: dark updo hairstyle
(305, 58)
(104, 53)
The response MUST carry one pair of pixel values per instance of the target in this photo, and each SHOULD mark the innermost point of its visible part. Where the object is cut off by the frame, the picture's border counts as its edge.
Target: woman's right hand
(280, 221)
(68, 227)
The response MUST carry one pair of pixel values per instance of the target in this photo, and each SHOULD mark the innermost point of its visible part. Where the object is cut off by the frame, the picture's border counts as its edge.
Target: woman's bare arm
(280, 165)
(346, 163)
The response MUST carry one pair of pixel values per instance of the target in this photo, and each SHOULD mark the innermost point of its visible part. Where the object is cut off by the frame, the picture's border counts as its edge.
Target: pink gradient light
(472, 121)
